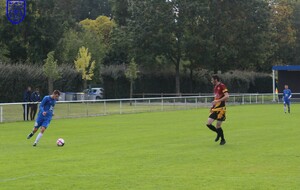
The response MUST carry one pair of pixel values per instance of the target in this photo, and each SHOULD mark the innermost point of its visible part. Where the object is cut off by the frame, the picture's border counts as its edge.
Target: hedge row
(14, 79)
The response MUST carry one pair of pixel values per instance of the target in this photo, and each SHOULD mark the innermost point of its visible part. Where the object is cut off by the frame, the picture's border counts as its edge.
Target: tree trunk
(131, 91)
(50, 85)
(177, 79)
(191, 80)
(84, 84)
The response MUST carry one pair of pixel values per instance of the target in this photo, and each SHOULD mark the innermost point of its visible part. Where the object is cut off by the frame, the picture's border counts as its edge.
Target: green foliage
(69, 45)
(184, 35)
(246, 82)
(283, 32)
(296, 24)
(97, 36)
(131, 72)
(101, 27)
(84, 65)
(120, 10)
(51, 70)
(4, 53)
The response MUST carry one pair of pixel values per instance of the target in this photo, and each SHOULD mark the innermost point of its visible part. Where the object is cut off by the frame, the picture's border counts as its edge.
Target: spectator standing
(35, 98)
(26, 99)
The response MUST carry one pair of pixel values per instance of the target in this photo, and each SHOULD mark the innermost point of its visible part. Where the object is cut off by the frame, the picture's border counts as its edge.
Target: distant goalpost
(290, 75)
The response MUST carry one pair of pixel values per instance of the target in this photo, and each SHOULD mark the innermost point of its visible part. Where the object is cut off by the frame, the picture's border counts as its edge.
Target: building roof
(286, 68)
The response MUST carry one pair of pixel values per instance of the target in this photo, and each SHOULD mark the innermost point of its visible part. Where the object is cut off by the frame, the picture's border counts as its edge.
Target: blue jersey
(47, 105)
(287, 94)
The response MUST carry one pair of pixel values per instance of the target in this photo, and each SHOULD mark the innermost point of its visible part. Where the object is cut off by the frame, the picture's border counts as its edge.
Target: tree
(156, 29)
(101, 28)
(131, 74)
(84, 66)
(283, 32)
(120, 11)
(296, 23)
(97, 35)
(51, 70)
(4, 53)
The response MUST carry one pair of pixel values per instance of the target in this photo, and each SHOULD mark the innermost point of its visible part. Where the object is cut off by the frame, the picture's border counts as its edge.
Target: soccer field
(161, 150)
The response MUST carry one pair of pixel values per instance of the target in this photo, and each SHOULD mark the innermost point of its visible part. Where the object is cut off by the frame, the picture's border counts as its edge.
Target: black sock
(220, 133)
(211, 127)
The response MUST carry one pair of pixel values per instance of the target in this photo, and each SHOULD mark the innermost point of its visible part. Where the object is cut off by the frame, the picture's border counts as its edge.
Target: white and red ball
(60, 142)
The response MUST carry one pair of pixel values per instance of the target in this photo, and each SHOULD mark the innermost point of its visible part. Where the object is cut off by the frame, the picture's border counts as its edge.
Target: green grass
(163, 150)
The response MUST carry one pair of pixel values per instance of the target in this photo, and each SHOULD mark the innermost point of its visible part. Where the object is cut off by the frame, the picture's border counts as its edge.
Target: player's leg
(37, 125)
(39, 136)
(35, 110)
(209, 124)
(31, 113)
(210, 120)
(28, 110)
(24, 111)
(220, 132)
(289, 106)
(284, 107)
(44, 126)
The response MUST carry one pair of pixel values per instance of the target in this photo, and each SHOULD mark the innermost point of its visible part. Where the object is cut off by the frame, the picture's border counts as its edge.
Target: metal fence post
(68, 109)
(1, 114)
(120, 106)
(87, 109)
(250, 99)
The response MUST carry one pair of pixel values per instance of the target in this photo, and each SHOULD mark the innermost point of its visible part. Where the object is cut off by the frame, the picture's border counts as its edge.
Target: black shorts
(218, 115)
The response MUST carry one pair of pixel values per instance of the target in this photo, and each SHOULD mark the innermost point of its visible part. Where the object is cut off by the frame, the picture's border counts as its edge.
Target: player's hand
(44, 113)
(215, 102)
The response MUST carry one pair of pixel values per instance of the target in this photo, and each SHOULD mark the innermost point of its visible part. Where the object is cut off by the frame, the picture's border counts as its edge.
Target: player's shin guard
(211, 127)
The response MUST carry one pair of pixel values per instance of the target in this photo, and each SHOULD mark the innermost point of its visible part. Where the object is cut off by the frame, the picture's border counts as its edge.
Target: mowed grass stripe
(162, 150)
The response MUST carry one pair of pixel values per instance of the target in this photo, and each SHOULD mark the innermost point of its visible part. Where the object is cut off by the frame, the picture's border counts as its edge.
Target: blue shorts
(42, 121)
(287, 102)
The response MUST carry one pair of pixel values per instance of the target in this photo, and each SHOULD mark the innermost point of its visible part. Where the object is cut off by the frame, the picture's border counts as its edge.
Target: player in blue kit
(44, 116)
(286, 97)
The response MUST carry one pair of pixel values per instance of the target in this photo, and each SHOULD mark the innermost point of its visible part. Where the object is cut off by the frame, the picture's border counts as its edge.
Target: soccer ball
(60, 142)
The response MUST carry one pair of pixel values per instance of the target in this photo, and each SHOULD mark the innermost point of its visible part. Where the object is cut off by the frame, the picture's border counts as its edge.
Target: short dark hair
(216, 77)
(56, 92)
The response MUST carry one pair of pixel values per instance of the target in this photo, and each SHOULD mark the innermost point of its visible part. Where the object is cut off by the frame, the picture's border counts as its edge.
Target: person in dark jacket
(26, 98)
(35, 99)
